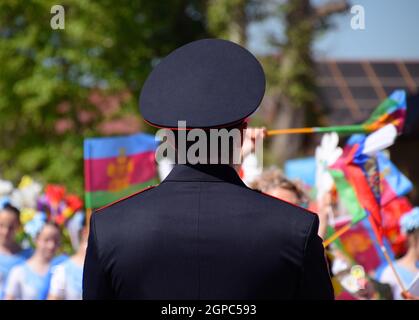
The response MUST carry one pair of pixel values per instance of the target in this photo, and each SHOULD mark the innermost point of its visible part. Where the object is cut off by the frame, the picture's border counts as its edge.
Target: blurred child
(31, 279)
(274, 183)
(67, 277)
(407, 266)
(11, 253)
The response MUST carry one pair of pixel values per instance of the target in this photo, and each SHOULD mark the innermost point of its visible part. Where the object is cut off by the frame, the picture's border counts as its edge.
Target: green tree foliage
(296, 91)
(229, 19)
(290, 73)
(59, 86)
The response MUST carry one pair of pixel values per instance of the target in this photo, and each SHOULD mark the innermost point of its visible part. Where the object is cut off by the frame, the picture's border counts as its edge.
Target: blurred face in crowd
(9, 223)
(48, 241)
(284, 194)
(414, 242)
(274, 183)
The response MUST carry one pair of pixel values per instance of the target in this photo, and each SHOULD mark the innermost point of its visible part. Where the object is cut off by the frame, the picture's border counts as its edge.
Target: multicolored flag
(352, 164)
(375, 179)
(115, 167)
(348, 196)
(391, 111)
(392, 212)
(360, 244)
(393, 182)
(361, 170)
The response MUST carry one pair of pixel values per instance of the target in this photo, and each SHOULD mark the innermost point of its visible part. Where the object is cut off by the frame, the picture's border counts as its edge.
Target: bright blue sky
(391, 32)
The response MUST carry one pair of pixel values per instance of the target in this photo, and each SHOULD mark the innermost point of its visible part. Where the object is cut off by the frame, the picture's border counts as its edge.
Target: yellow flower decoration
(67, 212)
(26, 215)
(25, 181)
(358, 272)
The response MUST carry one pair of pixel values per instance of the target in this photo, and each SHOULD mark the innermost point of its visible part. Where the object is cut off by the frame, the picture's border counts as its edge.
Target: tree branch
(330, 8)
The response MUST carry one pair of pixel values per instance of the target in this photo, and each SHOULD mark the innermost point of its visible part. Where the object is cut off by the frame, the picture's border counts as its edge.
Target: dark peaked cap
(208, 83)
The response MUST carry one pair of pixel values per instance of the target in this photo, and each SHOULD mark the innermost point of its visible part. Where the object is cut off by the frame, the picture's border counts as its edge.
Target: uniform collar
(204, 172)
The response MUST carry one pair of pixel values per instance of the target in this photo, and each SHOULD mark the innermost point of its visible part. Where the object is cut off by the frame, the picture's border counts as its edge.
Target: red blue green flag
(115, 167)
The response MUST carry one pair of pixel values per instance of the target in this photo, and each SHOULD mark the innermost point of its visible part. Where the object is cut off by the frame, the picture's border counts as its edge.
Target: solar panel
(351, 90)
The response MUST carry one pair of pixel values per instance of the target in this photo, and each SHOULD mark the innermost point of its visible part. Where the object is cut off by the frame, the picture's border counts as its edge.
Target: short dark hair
(48, 223)
(52, 224)
(11, 209)
(237, 126)
(413, 233)
(275, 178)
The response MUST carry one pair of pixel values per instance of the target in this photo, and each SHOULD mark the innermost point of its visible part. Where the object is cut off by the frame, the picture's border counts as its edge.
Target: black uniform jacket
(202, 234)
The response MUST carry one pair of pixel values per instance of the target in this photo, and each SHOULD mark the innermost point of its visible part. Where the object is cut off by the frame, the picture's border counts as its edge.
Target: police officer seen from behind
(201, 233)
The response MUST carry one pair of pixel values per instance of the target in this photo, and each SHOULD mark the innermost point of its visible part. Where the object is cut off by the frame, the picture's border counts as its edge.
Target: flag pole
(377, 225)
(379, 233)
(391, 264)
(337, 234)
(345, 129)
(344, 229)
(379, 118)
(290, 131)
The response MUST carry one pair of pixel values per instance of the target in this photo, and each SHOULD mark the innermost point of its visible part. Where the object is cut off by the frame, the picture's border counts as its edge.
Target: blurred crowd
(43, 238)
(353, 277)
(38, 273)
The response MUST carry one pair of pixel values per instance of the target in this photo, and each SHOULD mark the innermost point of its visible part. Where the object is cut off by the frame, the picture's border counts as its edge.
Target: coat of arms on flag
(118, 166)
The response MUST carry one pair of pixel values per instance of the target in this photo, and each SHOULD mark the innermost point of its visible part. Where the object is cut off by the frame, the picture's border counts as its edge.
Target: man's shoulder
(288, 225)
(272, 214)
(116, 206)
(280, 206)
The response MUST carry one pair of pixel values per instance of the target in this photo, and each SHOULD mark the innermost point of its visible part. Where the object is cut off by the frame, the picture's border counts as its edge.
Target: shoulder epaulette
(124, 198)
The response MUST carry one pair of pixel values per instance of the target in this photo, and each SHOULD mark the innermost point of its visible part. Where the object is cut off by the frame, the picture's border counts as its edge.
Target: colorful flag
(393, 182)
(381, 176)
(354, 165)
(361, 171)
(348, 196)
(392, 212)
(360, 244)
(391, 111)
(394, 186)
(115, 167)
